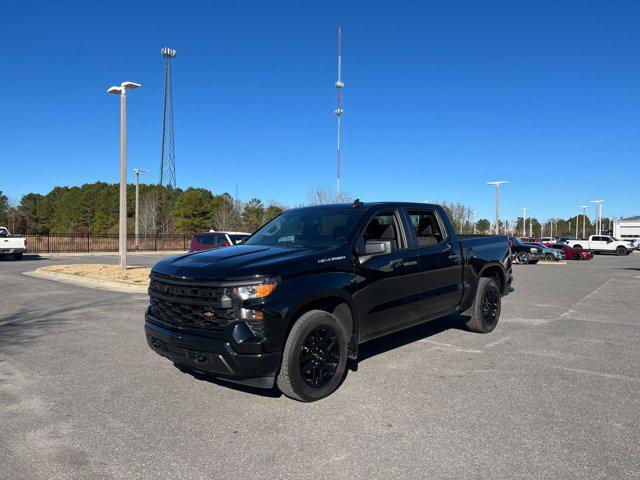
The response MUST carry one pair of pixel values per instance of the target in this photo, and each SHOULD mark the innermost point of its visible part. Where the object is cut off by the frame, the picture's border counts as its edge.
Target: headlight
(533, 250)
(261, 290)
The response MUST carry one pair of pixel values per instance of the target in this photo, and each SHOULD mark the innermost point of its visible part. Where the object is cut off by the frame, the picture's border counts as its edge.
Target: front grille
(190, 305)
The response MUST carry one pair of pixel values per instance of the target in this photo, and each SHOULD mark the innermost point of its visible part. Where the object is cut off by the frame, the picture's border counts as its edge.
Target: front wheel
(314, 357)
(17, 256)
(577, 256)
(578, 247)
(549, 257)
(621, 250)
(486, 307)
(522, 258)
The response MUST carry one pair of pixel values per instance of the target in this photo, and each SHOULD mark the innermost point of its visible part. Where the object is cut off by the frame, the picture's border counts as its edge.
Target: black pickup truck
(291, 303)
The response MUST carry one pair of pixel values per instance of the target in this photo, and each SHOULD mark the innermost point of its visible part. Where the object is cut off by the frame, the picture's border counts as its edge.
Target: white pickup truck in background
(11, 244)
(603, 244)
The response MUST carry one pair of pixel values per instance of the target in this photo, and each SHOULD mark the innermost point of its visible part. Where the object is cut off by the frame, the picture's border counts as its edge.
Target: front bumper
(213, 356)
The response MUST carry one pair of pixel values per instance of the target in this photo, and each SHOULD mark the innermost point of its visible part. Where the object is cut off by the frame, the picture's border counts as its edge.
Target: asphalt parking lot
(553, 392)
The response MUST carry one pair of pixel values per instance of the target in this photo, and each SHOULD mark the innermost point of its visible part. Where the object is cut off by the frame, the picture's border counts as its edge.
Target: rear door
(387, 295)
(440, 262)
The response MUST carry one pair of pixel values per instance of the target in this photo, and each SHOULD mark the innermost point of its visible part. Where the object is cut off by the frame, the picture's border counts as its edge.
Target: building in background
(627, 228)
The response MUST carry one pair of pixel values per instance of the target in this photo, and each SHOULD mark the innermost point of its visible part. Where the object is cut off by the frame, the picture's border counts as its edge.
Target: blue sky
(439, 98)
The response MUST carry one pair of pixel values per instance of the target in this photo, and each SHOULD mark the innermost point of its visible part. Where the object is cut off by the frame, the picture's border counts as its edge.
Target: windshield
(307, 227)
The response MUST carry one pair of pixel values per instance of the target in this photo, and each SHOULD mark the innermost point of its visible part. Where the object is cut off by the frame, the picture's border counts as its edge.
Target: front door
(387, 295)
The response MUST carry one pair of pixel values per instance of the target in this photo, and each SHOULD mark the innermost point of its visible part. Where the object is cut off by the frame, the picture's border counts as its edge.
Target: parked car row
(533, 249)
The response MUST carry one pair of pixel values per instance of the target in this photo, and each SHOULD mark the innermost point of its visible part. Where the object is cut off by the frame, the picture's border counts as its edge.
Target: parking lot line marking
(447, 346)
(528, 321)
(497, 342)
(602, 374)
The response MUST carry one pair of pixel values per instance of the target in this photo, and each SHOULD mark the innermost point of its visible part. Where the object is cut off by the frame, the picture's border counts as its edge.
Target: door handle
(397, 263)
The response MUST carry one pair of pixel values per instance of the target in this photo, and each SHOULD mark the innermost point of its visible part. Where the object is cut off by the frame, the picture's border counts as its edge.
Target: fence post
(48, 243)
(88, 248)
(155, 242)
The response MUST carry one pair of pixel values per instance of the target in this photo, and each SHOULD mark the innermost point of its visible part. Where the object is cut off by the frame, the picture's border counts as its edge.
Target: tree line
(93, 208)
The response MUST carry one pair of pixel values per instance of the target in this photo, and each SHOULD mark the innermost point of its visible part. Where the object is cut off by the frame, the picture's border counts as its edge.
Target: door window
(384, 226)
(427, 227)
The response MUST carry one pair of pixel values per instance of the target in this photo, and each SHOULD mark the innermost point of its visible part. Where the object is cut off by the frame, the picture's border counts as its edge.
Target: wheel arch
(495, 271)
(336, 302)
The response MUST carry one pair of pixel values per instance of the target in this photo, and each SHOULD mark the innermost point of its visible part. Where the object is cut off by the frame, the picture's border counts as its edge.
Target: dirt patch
(112, 273)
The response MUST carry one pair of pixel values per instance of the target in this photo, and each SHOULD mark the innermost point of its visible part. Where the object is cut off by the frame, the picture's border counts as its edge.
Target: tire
(549, 257)
(17, 256)
(577, 246)
(485, 320)
(521, 258)
(320, 337)
(621, 250)
(577, 256)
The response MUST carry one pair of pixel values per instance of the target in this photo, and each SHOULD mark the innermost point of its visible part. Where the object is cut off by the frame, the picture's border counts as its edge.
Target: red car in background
(530, 239)
(571, 253)
(212, 239)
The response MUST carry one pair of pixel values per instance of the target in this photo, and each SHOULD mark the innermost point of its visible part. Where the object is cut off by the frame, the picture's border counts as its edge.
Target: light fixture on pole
(584, 218)
(497, 185)
(597, 202)
(524, 221)
(122, 230)
(137, 215)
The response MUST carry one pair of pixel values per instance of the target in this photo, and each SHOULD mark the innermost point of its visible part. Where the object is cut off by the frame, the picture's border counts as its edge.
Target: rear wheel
(577, 246)
(486, 306)
(621, 250)
(577, 256)
(17, 256)
(314, 357)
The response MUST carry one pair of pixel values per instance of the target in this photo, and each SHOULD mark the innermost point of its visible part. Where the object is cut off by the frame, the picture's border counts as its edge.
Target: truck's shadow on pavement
(405, 337)
(365, 351)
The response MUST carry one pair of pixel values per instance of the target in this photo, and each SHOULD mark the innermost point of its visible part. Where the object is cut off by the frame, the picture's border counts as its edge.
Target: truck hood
(242, 261)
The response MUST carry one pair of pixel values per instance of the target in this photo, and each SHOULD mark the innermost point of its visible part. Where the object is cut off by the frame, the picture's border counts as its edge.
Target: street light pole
(137, 215)
(584, 218)
(597, 202)
(577, 222)
(524, 221)
(497, 184)
(474, 222)
(122, 230)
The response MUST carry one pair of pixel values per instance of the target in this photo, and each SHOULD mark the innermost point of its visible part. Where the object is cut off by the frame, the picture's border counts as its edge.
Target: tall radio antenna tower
(339, 110)
(168, 154)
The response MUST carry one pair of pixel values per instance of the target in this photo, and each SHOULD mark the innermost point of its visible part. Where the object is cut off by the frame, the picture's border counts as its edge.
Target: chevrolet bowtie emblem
(209, 314)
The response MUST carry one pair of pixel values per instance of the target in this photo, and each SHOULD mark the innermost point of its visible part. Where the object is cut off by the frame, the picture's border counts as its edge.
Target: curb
(559, 262)
(87, 281)
(106, 254)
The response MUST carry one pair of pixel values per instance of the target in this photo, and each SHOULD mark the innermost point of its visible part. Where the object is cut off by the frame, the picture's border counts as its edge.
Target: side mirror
(373, 248)
(377, 247)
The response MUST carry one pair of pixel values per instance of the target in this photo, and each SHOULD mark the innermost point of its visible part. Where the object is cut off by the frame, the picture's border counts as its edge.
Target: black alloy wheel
(577, 256)
(522, 258)
(490, 304)
(621, 250)
(319, 356)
